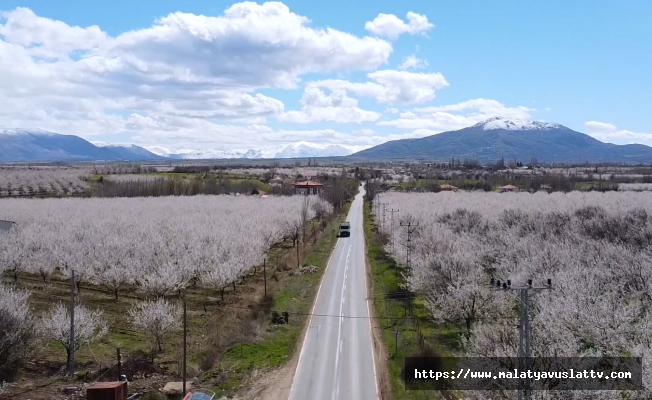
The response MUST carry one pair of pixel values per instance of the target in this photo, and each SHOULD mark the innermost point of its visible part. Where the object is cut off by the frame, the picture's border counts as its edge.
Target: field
(595, 248)
(209, 250)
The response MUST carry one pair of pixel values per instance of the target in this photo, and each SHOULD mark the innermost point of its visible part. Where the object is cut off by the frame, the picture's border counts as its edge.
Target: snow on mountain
(513, 124)
(25, 132)
(113, 145)
(128, 151)
(293, 150)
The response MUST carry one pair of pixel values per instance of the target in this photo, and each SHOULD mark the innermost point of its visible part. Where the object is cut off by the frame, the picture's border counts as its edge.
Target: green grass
(295, 295)
(206, 312)
(417, 327)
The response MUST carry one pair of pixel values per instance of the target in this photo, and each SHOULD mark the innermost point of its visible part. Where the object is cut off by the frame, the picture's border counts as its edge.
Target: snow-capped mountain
(293, 150)
(19, 144)
(514, 124)
(25, 132)
(128, 151)
(511, 139)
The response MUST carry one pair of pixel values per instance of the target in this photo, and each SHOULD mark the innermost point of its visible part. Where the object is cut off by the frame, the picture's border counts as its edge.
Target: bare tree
(90, 325)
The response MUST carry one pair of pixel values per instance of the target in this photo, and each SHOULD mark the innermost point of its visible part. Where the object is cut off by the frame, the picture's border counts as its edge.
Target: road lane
(336, 359)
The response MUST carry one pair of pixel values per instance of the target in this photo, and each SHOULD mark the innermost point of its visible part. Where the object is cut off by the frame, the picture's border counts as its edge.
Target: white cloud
(391, 87)
(55, 39)
(257, 45)
(389, 25)
(412, 62)
(489, 107)
(600, 127)
(456, 116)
(391, 110)
(335, 107)
(609, 133)
(185, 67)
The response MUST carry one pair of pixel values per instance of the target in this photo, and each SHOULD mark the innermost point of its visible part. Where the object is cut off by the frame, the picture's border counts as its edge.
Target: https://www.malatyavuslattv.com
(579, 373)
(516, 374)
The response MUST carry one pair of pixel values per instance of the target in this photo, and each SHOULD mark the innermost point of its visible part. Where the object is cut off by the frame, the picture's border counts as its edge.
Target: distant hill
(512, 139)
(293, 150)
(40, 145)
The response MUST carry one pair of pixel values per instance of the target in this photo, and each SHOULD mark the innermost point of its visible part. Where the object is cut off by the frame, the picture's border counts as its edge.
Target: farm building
(448, 188)
(508, 189)
(6, 226)
(308, 187)
(276, 182)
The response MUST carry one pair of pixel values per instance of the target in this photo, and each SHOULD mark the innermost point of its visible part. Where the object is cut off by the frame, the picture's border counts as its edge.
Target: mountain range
(511, 139)
(40, 145)
(487, 141)
(293, 150)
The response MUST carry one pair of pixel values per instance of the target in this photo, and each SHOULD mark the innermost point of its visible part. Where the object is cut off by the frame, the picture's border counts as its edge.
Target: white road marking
(339, 329)
(312, 311)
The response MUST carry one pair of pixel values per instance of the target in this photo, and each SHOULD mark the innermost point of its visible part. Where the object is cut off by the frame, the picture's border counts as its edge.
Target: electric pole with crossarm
(524, 387)
(391, 234)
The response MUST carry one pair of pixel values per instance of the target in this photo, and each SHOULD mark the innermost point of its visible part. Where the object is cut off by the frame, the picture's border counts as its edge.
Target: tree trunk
(67, 356)
(115, 291)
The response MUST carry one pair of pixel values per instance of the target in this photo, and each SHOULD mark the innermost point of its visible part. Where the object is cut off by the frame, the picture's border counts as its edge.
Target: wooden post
(71, 367)
(119, 364)
(184, 345)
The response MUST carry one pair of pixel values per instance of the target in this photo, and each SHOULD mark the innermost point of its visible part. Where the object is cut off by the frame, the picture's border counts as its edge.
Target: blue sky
(582, 63)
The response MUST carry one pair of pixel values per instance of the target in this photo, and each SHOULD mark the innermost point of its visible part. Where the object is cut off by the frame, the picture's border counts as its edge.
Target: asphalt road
(336, 359)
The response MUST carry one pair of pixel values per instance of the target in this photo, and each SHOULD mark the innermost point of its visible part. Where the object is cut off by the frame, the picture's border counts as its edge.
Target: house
(448, 188)
(276, 182)
(308, 187)
(5, 226)
(508, 188)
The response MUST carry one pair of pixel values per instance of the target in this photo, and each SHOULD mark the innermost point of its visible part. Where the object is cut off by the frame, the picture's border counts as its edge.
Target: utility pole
(410, 230)
(71, 367)
(119, 364)
(392, 211)
(185, 332)
(524, 385)
(265, 275)
(396, 333)
(384, 210)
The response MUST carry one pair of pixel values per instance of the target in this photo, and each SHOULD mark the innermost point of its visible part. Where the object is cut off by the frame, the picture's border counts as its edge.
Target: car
(202, 394)
(345, 229)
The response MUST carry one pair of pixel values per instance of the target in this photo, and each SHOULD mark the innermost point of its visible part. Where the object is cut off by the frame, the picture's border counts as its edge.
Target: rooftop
(308, 183)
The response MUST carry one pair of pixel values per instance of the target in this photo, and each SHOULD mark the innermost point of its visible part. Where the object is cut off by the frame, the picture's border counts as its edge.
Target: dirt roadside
(380, 352)
(276, 384)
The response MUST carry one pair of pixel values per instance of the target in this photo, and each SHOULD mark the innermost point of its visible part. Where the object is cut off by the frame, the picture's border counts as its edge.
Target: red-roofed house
(508, 188)
(308, 187)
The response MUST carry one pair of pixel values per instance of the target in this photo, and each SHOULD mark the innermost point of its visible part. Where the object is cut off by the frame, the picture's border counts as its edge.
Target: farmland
(595, 248)
(136, 258)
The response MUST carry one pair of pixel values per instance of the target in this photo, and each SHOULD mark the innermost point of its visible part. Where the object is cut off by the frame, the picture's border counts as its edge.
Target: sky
(200, 74)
